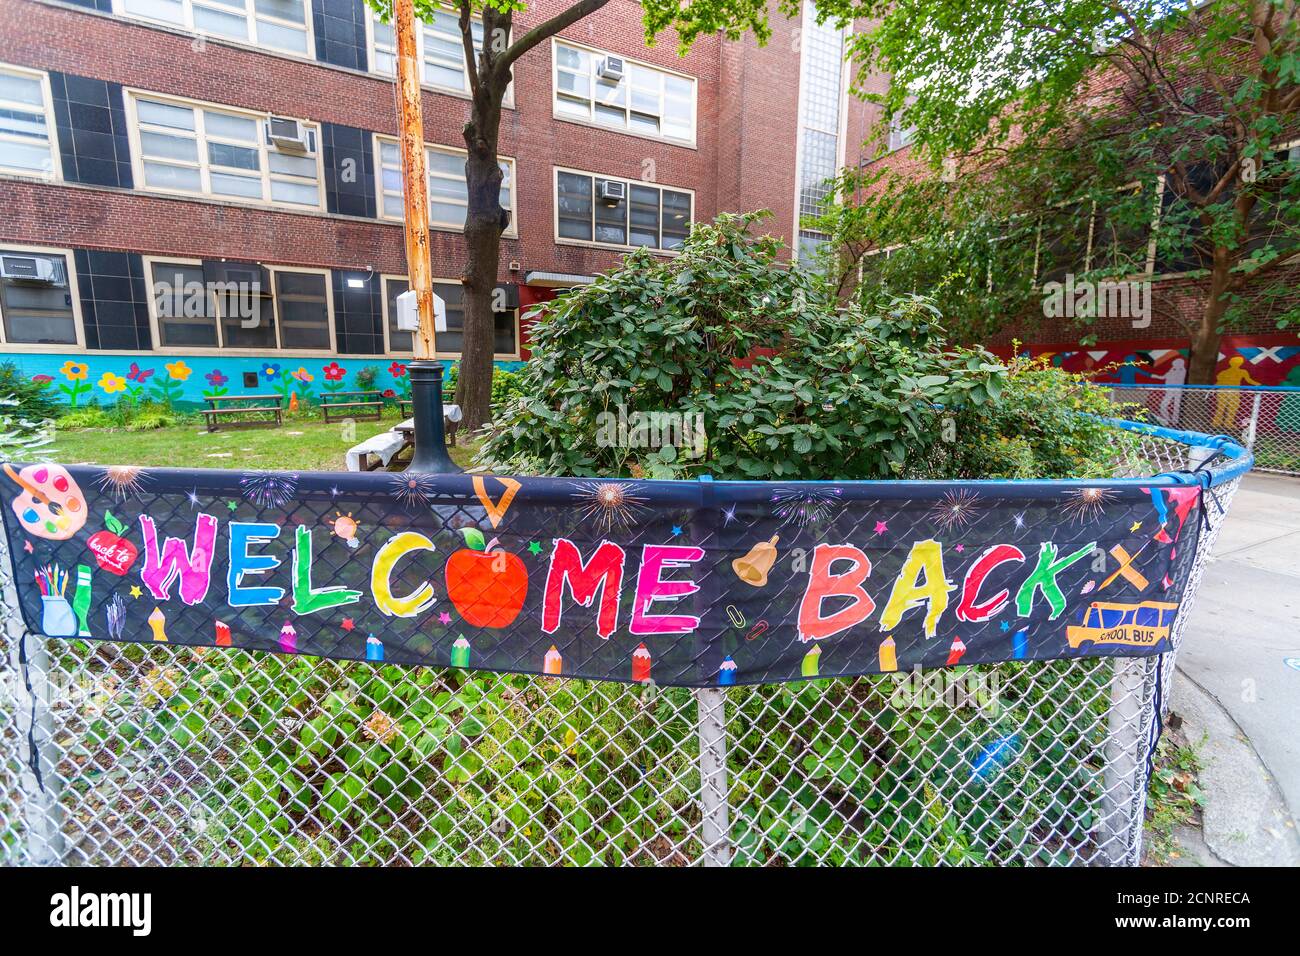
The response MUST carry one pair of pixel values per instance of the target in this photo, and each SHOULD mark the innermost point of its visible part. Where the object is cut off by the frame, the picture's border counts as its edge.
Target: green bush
(88, 416)
(864, 391)
(33, 400)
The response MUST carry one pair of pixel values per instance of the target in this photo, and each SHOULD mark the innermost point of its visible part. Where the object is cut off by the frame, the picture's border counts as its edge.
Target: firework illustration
(269, 489)
(1085, 504)
(123, 481)
(805, 506)
(956, 509)
(413, 489)
(610, 503)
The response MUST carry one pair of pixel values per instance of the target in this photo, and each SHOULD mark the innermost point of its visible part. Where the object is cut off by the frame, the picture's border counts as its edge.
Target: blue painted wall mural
(186, 381)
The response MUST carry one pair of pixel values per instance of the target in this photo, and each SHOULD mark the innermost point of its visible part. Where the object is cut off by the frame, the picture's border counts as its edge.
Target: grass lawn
(302, 444)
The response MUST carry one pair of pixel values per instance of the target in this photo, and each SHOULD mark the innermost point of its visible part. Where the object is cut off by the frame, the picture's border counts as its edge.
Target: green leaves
(474, 539)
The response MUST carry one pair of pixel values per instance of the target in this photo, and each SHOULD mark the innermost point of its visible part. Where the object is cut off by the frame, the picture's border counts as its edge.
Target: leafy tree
(489, 79)
(1053, 124)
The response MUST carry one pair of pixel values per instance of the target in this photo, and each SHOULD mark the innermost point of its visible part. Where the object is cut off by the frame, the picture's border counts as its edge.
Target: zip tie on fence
(34, 754)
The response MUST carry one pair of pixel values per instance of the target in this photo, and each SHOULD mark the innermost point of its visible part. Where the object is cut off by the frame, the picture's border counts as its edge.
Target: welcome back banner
(683, 583)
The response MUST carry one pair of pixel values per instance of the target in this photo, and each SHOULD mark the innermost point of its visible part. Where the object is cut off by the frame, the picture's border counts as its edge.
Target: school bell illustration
(754, 566)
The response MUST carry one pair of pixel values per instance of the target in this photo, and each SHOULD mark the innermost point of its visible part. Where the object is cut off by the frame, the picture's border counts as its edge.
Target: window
(26, 128)
(440, 49)
(38, 297)
(184, 147)
(448, 194)
(901, 133)
(278, 24)
(193, 310)
(447, 344)
(624, 95)
(589, 209)
(821, 90)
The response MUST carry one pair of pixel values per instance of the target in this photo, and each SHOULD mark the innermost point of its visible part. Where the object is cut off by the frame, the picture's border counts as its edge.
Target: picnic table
(366, 405)
(451, 414)
(272, 403)
(386, 446)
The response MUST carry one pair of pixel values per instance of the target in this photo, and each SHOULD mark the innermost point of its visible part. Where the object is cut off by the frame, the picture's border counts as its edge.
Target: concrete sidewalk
(1241, 650)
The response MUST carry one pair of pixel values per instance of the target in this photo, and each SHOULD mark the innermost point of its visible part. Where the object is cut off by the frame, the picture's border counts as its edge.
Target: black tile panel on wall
(114, 300)
(340, 28)
(91, 123)
(358, 313)
(349, 170)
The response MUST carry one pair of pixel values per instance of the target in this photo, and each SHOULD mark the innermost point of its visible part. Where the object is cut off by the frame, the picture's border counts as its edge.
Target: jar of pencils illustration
(57, 619)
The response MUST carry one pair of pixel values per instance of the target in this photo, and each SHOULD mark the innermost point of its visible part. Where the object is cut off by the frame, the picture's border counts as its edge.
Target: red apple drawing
(112, 551)
(486, 586)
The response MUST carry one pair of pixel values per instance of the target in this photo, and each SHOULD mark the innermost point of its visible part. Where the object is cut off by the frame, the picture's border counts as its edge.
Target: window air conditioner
(36, 270)
(612, 191)
(611, 68)
(289, 135)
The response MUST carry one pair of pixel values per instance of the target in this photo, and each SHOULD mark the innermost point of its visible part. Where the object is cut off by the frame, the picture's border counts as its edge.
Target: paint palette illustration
(51, 505)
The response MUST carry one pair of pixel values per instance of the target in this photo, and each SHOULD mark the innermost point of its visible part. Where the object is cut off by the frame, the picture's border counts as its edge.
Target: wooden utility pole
(415, 174)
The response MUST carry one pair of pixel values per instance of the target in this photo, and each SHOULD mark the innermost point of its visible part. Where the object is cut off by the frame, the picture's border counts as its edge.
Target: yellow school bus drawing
(1140, 625)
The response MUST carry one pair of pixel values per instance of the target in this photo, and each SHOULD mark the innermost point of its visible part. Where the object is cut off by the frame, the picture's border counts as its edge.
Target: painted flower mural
(75, 373)
(397, 370)
(217, 381)
(270, 370)
(179, 370)
(111, 383)
(334, 374)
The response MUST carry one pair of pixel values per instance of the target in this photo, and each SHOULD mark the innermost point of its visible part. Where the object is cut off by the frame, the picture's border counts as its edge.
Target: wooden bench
(363, 406)
(273, 404)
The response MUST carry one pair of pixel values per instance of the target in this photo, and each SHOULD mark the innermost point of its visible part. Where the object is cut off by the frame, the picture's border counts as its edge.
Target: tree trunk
(483, 227)
(1205, 338)
(485, 220)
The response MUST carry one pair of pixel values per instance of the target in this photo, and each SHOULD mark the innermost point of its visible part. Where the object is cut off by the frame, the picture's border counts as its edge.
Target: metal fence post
(1254, 422)
(1123, 799)
(39, 773)
(711, 704)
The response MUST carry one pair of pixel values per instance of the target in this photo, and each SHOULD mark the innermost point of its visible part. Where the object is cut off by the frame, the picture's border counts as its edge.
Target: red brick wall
(50, 37)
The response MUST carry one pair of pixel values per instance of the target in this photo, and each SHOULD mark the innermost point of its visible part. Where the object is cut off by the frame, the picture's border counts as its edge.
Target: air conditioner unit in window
(611, 68)
(289, 135)
(612, 191)
(35, 270)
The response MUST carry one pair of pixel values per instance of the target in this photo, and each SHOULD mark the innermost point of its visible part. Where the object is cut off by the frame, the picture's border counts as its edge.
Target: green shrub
(366, 378)
(150, 416)
(33, 400)
(88, 416)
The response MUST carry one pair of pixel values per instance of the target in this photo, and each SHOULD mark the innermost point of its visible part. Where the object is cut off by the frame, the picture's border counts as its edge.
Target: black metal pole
(430, 453)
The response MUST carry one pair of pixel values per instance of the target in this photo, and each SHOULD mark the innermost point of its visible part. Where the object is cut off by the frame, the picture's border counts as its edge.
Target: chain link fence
(117, 754)
(1265, 421)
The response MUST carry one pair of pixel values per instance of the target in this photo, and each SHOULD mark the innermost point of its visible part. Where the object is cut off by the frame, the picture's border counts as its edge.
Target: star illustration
(348, 624)
(135, 591)
(1005, 627)
(232, 505)
(728, 515)
(444, 617)
(1135, 526)
(881, 527)
(961, 548)
(534, 547)
(1019, 519)
(677, 530)
(27, 546)
(194, 497)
